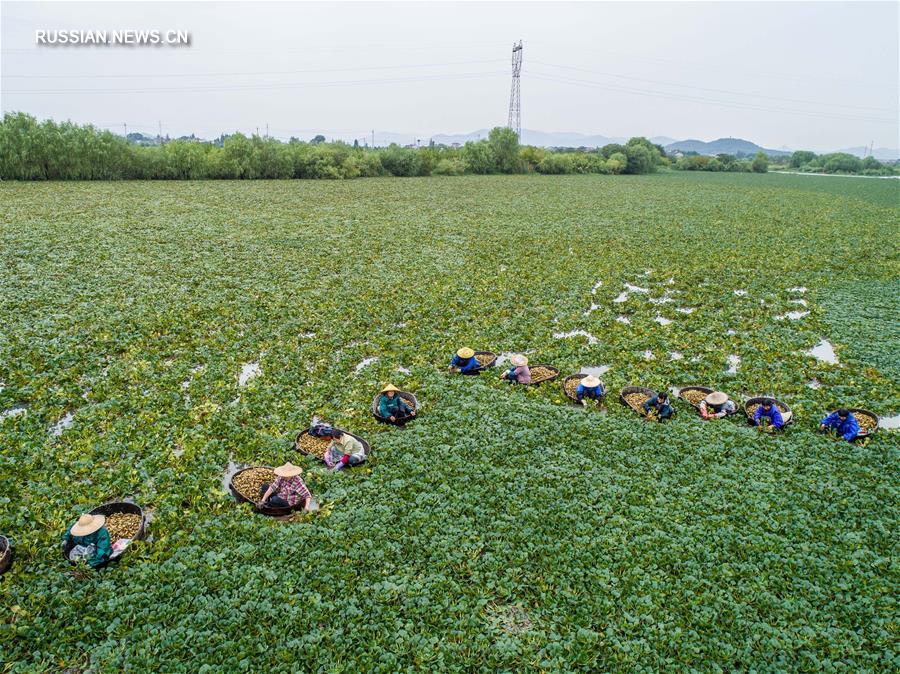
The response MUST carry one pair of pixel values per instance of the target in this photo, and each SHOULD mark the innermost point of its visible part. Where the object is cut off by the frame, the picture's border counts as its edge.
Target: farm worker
(519, 372)
(716, 405)
(343, 450)
(465, 360)
(287, 490)
(841, 422)
(659, 405)
(90, 540)
(769, 410)
(589, 387)
(392, 407)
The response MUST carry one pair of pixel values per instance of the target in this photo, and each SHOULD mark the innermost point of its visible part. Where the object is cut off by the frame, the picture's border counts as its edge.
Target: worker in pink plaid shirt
(287, 490)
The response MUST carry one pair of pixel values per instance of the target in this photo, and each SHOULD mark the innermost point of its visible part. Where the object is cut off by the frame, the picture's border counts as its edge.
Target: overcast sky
(817, 75)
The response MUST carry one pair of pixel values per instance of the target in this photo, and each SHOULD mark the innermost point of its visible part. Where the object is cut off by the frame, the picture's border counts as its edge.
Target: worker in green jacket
(393, 408)
(89, 540)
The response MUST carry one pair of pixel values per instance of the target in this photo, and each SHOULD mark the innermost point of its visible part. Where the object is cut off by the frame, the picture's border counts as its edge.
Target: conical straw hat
(717, 398)
(88, 524)
(288, 470)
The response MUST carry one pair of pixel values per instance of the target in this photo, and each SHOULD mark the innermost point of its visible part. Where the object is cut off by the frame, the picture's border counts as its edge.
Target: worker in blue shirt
(843, 423)
(770, 411)
(659, 405)
(466, 361)
(589, 387)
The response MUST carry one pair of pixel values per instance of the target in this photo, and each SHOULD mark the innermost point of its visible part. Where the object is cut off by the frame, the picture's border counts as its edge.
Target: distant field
(504, 529)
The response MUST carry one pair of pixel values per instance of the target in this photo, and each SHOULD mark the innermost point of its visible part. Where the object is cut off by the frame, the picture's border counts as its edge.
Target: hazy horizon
(816, 75)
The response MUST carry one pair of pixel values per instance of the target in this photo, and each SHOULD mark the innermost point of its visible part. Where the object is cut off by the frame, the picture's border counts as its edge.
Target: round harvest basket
(627, 391)
(313, 446)
(114, 508)
(751, 404)
(693, 395)
(570, 385)
(5, 554)
(871, 423)
(265, 510)
(407, 396)
(541, 373)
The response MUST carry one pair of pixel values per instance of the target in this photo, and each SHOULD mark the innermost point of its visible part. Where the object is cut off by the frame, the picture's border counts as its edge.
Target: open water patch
(889, 423)
(364, 363)
(577, 333)
(597, 371)
(65, 422)
(792, 315)
(232, 468)
(13, 412)
(249, 372)
(824, 352)
(734, 362)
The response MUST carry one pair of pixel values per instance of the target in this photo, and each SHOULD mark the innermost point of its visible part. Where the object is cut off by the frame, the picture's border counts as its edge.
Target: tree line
(49, 150)
(801, 160)
(723, 163)
(838, 163)
(32, 150)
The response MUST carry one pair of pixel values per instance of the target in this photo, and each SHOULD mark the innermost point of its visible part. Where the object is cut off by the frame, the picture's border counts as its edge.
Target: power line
(720, 91)
(206, 50)
(699, 99)
(257, 73)
(255, 87)
(730, 70)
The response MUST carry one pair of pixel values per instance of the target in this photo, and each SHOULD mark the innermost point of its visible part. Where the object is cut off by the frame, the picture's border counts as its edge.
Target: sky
(810, 75)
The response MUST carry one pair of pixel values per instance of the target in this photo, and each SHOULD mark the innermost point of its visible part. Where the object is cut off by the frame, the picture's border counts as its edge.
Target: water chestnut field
(155, 334)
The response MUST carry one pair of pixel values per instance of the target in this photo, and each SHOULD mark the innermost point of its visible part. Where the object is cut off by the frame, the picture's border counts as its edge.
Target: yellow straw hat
(465, 352)
(590, 381)
(88, 524)
(390, 387)
(288, 470)
(717, 398)
(519, 360)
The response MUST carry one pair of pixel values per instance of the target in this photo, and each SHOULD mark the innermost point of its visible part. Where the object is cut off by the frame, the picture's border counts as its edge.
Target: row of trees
(32, 150)
(838, 162)
(723, 163)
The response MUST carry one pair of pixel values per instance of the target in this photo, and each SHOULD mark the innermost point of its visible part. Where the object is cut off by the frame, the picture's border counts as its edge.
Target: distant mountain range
(739, 146)
(547, 138)
(733, 146)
